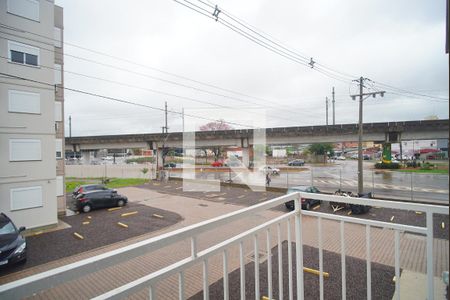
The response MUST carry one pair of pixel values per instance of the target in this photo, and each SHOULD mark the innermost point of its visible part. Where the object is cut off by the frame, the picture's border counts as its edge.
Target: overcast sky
(400, 43)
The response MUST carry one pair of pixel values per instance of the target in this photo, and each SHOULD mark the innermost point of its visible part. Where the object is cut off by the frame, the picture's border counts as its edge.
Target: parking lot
(180, 209)
(96, 229)
(233, 194)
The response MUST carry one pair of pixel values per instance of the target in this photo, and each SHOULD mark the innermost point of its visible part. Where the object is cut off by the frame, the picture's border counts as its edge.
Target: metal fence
(431, 188)
(46, 280)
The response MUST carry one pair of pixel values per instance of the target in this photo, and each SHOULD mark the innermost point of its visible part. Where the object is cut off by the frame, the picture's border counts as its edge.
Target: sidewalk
(194, 211)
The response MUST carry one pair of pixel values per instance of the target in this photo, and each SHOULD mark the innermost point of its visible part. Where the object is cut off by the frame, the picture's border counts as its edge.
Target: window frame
(59, 142)
(11, 141)
(16, 92)
(35, 51)
(37, 204)
(8, 10)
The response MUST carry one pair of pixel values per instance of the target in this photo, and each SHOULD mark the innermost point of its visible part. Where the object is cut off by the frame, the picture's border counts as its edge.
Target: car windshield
(7, 228)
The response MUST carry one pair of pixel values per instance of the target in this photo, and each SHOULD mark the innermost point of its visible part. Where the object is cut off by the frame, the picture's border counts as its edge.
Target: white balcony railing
(49, 279)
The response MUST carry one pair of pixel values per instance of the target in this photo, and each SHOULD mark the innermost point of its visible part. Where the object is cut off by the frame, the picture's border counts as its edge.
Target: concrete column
(246, 156)
(159, 158)
(86, 157)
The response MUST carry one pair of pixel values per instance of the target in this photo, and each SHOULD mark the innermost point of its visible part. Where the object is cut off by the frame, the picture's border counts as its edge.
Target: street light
(362, 97)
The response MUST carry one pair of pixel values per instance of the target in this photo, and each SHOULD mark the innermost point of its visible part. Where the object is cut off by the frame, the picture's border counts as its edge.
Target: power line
(293, 57)
(120, 100)
(277, 107)
(147, 67)
(156, 91)
(330, 72)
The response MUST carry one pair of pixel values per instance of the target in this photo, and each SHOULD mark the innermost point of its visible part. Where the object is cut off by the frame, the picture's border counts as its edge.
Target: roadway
(343, 175)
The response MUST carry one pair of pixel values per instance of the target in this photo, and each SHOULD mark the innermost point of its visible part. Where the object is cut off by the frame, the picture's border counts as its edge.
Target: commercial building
(31, 112)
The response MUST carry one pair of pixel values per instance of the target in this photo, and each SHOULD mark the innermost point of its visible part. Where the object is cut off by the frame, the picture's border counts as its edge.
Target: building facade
(31, 112)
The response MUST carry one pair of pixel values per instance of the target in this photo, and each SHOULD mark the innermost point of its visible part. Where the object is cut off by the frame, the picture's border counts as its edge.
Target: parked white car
(269, 170)
(340, 158)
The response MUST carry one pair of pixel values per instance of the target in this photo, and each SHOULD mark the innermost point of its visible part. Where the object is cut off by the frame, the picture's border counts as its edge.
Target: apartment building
(31, 112)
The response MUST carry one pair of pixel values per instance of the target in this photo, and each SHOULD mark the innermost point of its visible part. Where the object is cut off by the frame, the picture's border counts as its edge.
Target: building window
(58, 111)
(23, 198)
(24, 8)
(24, 149)
(59, 148)
(59, 185)
(58, 74)
(57, 37)
(24, 102)
(23, 54)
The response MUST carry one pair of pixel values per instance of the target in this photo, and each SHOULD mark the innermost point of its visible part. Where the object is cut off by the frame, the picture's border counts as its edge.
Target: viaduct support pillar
(246, 156)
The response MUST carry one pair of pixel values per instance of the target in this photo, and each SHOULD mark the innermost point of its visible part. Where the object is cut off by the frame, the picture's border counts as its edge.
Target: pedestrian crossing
(354, 183)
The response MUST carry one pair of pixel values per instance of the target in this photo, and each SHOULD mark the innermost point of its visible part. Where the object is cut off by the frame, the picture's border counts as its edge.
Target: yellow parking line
(122, 225)
(79, 236)
(114, 208)
(129, 214)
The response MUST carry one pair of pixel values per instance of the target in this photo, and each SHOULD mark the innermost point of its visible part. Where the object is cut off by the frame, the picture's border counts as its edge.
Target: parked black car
(88, 188)
(306, 203)
(87, 201)
(13, 247)
(296, 162)
(170, 165)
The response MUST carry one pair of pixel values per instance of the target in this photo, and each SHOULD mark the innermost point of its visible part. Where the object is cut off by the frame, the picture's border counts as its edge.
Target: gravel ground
(246, 197)
(399, 216)
(101, 231)
(383, 286)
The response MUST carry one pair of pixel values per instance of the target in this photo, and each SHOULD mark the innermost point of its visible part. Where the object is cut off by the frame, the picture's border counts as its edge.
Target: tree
(321, 149)
(431, 117)
(213, 126)
(217, 125)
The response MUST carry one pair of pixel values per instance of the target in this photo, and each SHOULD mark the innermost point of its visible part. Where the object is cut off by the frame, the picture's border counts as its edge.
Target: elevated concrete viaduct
(373, 132)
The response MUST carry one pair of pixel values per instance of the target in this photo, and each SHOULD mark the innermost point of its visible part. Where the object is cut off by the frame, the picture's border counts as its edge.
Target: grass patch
(122, 182)
(429, 171)
(113, 183)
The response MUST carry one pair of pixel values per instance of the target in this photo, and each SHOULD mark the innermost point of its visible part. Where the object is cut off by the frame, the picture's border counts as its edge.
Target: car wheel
(120, 203)
(308, 205)
(86, 208)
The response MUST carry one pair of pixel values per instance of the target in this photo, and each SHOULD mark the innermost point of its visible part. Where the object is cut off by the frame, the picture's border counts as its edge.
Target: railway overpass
(373, 132)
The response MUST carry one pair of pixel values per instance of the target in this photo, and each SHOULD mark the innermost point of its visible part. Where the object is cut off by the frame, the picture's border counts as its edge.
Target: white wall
(117, 171)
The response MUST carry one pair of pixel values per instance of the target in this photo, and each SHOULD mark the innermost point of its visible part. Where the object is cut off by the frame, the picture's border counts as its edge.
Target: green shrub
(140, 160)
(382, 165)
(427, 166)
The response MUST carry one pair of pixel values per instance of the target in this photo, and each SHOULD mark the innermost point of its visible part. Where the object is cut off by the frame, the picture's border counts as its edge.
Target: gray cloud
(400, 43)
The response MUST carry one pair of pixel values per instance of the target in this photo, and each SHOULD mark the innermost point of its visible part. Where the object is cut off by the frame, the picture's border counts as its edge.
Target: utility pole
(164, 130)
(182, 117)
(334, 115)
(165, 110)
(361, 96)
(360, 135)
(326, 104)
(70, 126)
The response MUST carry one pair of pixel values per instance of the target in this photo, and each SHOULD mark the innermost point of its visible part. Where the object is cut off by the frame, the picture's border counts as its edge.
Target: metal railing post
(340, 179)
(430, 267)
(205, 280)
(412, 187)
(299, 247)
(287, 179)
(312, 177)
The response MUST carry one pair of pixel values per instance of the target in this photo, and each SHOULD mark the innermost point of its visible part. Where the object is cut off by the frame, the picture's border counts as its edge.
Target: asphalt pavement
(430, 188)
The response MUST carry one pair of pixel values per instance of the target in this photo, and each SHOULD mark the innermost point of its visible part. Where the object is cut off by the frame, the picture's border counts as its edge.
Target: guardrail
(46, 280)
